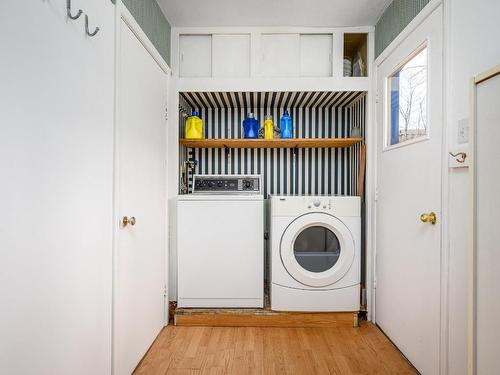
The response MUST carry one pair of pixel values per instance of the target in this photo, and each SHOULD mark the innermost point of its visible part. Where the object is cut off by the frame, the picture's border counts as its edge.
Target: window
(316, 249)
(407, 98)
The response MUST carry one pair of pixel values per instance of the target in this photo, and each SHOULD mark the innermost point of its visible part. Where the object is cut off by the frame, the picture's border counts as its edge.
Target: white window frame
(387, 106)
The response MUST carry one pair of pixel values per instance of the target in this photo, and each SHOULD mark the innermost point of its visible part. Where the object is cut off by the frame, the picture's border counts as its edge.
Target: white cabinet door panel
(231, 55)
(195, 55)
(280, 55)
(316, 55)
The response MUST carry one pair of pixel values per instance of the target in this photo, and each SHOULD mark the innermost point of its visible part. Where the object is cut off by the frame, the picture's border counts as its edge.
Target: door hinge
(376, 195)
(166, 113)
(375, 284)
(376, 97)
(165, 290)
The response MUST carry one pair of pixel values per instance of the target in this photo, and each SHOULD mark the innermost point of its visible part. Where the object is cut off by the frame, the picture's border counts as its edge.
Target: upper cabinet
(316, 55)
(279, 55)
(195, 55)
(231, 55)
(296, 55)
(234, 53)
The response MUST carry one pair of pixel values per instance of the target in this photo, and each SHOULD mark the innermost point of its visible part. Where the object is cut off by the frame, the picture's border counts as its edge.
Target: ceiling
(273, 12)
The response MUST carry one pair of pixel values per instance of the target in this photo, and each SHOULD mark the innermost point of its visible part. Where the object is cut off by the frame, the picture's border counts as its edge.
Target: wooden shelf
(271, 143)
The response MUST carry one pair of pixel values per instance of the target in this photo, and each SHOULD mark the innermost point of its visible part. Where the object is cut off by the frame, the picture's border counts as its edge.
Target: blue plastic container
(250, 127)
(286, 126)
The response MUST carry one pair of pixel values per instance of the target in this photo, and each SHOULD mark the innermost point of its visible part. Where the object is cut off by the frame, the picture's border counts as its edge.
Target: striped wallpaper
(285, 171)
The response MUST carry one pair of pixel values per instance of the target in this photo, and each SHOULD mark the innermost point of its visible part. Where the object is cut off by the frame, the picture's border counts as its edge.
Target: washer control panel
(232, 184)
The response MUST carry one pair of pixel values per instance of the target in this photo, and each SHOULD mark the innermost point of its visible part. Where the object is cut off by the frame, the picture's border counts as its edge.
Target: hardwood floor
(257, 350)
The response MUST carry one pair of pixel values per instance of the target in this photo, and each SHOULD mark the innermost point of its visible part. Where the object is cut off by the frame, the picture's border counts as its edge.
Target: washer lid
(317, 249)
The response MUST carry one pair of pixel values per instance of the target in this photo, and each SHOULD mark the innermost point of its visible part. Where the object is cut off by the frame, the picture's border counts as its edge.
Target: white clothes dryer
(315, 253)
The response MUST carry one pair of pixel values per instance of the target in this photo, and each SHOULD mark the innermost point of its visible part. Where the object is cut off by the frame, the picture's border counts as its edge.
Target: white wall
(56, 163)
(472, 35)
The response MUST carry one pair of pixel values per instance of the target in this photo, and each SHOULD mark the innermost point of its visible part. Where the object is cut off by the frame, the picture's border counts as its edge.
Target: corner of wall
(394, 19)
(153, 22)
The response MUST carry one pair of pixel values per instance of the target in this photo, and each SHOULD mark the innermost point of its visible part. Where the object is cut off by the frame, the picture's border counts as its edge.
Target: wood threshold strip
(266, 319)
(271, 143)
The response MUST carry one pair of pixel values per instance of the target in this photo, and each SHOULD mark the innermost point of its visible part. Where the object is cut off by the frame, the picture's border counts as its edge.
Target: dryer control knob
(317, 203)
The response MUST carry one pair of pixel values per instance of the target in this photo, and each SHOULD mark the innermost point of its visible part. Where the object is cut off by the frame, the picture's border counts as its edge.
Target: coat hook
(87, 27)
(459, 156)
(68, 11)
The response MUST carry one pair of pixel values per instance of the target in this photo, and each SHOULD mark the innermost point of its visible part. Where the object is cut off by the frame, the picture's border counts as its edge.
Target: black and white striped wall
(285, 171)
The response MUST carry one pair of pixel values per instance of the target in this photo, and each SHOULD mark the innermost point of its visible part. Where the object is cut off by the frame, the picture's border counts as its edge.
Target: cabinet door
(316, 55)
(231, 55)
(280, 55)
(195, 55)
(56, 158)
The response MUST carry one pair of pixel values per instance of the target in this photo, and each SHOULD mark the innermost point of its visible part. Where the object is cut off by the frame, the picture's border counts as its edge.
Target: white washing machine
(220, 242)
(315, 253)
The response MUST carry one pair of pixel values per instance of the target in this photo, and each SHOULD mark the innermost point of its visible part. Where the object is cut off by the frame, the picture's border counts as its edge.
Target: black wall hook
(68, 11)
(87, 27)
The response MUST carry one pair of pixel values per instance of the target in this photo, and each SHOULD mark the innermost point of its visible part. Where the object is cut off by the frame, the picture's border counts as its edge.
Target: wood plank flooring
(257, 350)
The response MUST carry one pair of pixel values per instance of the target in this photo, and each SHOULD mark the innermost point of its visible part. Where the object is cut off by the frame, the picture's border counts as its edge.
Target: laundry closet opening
(324, 157)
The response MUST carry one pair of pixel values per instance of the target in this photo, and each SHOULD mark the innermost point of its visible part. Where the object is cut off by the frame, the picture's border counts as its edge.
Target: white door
(409, 170)
(139, 294)
(486, 234)
(56, 163)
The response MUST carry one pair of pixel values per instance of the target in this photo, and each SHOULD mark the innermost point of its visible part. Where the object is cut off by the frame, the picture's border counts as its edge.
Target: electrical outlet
(463, 131)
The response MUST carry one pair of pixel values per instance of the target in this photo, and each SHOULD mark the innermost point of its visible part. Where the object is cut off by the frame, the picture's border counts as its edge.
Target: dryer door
(317, 249)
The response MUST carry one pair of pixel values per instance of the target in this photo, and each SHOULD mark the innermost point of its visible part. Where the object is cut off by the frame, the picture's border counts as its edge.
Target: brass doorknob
(128, 220)
(431, 217)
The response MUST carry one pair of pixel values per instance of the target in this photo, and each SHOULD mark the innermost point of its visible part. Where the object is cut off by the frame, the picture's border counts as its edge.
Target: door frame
(123, 14)
(471, 251)
(372, 194)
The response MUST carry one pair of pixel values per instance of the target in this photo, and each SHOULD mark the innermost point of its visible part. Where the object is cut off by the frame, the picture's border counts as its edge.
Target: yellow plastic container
(194, 127)
(268, 127)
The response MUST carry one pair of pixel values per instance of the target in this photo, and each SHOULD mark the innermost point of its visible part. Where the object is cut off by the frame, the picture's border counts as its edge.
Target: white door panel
(409, 184)
(140, 188)
(56, 163)
(487, 235)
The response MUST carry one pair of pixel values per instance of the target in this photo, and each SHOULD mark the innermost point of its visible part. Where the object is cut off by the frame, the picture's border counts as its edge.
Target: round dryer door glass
(316, 249)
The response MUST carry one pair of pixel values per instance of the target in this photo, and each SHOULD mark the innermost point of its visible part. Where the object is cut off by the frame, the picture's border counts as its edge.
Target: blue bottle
(286, 125)
(250, 127)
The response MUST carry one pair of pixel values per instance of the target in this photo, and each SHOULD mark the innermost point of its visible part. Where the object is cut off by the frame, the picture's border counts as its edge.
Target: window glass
(317, 249)
(408, 100)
